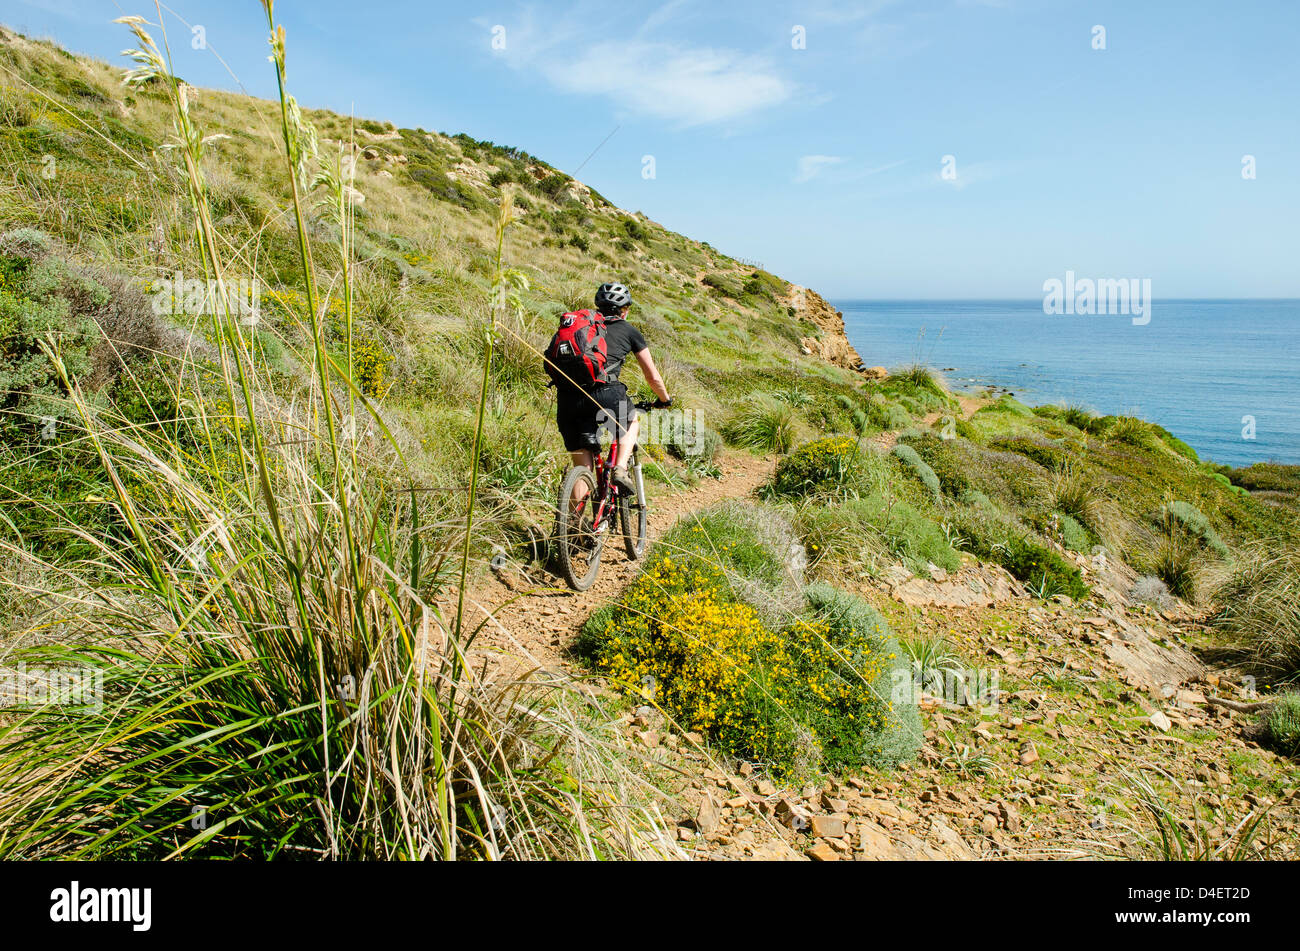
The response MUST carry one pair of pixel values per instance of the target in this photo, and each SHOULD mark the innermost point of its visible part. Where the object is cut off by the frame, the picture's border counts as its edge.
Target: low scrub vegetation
(767, 427)
(830, 466)
(811, 692)
(916, 467)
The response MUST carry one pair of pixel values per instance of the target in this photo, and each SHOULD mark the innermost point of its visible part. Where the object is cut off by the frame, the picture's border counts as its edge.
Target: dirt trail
(968, 405)
(537, 619)
(1087, 696)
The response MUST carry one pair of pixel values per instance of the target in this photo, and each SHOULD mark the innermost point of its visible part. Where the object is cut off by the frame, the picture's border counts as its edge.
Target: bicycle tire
(572, 536)
(634, 544)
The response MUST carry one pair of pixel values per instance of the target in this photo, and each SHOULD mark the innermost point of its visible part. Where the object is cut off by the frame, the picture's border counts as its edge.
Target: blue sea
(1198, 368)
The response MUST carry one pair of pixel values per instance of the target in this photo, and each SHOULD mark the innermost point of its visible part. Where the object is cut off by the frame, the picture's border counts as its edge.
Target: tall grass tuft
(1178, 564)
(278, 678)
(1162, 834)
(1072, 491)
(1259, 611)
(763, 426)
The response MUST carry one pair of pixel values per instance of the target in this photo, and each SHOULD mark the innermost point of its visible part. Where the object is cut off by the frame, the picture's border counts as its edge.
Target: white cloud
(675, 81)
(970, 174)
(810, 166)
(683, 85)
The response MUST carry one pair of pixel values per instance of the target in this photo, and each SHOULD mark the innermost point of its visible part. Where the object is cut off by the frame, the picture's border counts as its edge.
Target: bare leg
(626, 444)
(583, 457)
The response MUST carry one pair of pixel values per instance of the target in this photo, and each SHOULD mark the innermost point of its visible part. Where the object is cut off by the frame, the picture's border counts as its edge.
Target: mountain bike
(583, 527)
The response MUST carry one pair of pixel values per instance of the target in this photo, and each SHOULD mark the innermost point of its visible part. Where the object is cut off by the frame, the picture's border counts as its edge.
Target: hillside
(878, 619)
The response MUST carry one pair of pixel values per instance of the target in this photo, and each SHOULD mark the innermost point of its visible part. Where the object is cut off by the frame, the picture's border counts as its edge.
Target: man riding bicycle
(581, 411)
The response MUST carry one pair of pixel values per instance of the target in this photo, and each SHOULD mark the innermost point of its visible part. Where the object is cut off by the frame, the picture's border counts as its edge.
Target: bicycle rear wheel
(632, 514)
(577, 546)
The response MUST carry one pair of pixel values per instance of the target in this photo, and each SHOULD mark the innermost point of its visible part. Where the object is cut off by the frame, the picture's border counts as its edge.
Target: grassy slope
(724, 334)
(86, 165)
(423, 231)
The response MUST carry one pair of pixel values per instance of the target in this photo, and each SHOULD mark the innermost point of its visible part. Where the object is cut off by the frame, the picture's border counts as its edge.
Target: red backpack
(577, 353)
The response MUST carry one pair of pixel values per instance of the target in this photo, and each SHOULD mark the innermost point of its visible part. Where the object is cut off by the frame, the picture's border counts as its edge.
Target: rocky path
(1090, 700)
(1087, 702)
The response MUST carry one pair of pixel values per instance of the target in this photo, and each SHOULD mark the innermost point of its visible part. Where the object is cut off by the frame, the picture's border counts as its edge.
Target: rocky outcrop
(830, 343)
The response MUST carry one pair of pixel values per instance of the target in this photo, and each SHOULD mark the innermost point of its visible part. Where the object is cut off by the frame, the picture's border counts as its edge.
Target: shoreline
(1218, 374)
(979, 389)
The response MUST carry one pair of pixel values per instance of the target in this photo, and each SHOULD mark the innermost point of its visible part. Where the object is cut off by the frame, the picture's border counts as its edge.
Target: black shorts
(580, 420)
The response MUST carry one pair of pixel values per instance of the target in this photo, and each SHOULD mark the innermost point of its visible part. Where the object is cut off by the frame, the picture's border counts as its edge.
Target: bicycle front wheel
(577, 545)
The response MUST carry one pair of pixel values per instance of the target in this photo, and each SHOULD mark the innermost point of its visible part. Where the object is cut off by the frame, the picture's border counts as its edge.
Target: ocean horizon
(1223, 374)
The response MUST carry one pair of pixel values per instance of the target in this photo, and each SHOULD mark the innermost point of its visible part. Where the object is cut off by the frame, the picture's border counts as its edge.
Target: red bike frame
(603, 486)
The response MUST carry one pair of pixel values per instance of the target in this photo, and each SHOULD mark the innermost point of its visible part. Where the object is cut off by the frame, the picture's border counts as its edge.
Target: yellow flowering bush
(815, 692)
(755, 548)
(370, 364)
(822, 465)
(679, 639)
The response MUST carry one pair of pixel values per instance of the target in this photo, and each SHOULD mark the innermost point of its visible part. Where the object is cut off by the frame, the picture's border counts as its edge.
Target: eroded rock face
(831, 343)
(975, 586)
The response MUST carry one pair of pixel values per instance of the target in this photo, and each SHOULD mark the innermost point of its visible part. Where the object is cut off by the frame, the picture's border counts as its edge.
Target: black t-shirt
(621, 338)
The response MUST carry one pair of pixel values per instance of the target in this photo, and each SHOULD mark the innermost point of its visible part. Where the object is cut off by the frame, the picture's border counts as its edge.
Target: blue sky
(825, 163)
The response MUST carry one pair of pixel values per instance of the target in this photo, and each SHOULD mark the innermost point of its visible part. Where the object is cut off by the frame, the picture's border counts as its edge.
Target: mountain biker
(581, 413)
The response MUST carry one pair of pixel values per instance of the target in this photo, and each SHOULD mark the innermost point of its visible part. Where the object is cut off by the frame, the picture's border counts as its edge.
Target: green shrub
(49, 474)
(722, 285)
(1046, 454)
(1131, 431)
(940, 455)
(979, 501)
(859, 530)
(795, 395)
(1267, 477)
(1073, 535)
(42, 298)
(917, 389)
(994, 537)
(1187, 517)
(886, 415)
(832, 465)
(850, 671)
(1045, 572)
(914, 464)
(1007, 404)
